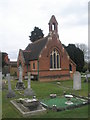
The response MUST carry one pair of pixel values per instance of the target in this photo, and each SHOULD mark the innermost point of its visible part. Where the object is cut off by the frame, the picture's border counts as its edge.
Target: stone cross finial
(20, 74)
(29, 80)
(9, 83)
(10, 93)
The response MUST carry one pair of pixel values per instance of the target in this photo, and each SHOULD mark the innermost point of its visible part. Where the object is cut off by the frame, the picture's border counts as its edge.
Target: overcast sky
(19, 17)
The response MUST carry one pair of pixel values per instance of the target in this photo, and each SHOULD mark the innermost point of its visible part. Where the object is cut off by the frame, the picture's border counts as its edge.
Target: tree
(84, 48)
(36, 34)
(85, 67)
(76, 55)
(89, 66)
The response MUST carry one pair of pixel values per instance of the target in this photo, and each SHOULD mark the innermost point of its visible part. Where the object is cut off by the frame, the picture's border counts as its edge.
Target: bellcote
(53, 25)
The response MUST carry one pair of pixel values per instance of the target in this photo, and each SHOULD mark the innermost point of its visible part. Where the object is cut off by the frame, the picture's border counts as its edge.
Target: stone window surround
(57, 54)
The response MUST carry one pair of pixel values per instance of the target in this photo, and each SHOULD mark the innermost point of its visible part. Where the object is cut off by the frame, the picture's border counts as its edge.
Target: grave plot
(28, 107)
(61, 103)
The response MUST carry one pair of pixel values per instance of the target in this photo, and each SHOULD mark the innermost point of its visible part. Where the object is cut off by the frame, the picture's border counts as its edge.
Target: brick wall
(34, 71)
(45, 73)
(25, 67)
(44, 62)
(73, 69)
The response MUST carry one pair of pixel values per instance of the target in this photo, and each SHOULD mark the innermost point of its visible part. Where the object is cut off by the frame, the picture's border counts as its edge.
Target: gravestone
(29, 80)
(20, 84)
(87, 76)
(28, 107)
(3, 85)
(29, 91)
(20, 74)
(10, 93)
(77, 81)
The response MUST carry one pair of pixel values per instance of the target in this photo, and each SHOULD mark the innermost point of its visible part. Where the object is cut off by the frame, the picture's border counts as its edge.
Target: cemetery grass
(43, 90)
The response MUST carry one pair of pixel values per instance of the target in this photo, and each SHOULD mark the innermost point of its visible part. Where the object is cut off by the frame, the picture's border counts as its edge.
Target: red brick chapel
(46, 59)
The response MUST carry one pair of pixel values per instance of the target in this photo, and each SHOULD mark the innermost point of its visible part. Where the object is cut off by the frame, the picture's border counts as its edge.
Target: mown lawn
(43, 90)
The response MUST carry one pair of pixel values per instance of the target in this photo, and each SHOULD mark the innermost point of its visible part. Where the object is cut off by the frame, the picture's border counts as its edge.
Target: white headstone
(29, 80)
(20, 74)
(77, 81)
(28, 91)
(10, 93)
(88, 75)
(9, 83)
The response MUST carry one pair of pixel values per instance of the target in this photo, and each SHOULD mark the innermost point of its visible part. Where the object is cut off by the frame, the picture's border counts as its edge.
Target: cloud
(19, 17)
(13, 55)
(75, 12)
(74, 35)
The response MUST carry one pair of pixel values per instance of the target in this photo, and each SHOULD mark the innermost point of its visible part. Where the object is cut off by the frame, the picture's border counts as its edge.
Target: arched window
(33, 65)
(53, 26)
(70, 67)
(54, 60)
(58, 61)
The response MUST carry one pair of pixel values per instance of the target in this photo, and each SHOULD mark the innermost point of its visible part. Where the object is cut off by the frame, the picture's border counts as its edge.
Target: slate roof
(26, 55)
(33, 50)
